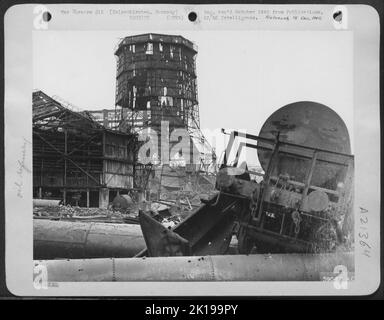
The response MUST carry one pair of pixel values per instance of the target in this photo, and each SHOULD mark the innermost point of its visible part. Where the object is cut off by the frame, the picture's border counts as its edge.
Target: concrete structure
(156, 82)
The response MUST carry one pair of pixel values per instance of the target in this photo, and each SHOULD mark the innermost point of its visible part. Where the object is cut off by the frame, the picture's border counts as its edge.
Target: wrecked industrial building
(76, 159)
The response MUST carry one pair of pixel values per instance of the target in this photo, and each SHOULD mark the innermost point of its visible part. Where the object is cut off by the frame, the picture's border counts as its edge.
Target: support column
(87, 198)
(164, 143)
(40, 192)
(65, 166)
(42, 170)
(103, 198)
(104, 162)
(105, 118)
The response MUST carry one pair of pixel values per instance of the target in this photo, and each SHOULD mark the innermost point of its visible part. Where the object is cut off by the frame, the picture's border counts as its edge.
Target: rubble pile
(168, 213)
(69, 212)
(173, 195)
(179, 185)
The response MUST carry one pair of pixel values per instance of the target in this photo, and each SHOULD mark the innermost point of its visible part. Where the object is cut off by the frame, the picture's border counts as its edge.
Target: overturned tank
(314, 127)
(302, 204)
(304, 200)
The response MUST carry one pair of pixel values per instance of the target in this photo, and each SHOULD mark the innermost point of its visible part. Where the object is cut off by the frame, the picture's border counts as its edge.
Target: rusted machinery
(257, 267)
(75, 240)
(300, 204)
(304, 200)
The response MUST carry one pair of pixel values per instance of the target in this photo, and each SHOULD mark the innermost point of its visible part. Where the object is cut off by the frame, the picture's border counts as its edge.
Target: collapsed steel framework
(75, 158)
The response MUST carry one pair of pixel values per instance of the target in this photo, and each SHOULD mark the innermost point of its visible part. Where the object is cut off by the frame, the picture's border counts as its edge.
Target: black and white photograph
(219, 149)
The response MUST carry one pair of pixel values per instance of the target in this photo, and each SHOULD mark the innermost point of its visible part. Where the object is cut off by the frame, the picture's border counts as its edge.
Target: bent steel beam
(278, 267)
(46, 203)
(209, 229)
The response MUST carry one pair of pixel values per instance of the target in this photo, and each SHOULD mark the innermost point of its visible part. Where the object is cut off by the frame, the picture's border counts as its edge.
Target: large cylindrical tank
(308, 124)
(78, 240)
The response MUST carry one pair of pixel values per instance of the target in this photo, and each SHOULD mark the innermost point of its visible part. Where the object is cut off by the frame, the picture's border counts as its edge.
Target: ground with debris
(174, 194)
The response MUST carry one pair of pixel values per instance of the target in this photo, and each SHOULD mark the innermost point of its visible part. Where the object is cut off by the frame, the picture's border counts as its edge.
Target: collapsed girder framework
(72, 152)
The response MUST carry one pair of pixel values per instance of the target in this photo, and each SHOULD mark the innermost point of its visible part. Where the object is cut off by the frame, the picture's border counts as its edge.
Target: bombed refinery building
(75, 158)
(91, 156)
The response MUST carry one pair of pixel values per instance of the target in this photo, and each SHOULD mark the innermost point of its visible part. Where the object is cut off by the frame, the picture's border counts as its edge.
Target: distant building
(109, 118)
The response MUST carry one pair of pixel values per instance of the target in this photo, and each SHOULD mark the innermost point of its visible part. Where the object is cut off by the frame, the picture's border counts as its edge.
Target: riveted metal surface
(307, 124)
(74, 240)
(275, 267)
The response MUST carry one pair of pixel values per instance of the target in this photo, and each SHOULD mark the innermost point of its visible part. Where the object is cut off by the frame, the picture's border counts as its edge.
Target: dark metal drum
(307, 124)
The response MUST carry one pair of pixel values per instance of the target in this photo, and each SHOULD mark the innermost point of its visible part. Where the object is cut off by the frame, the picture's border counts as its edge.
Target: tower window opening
(149, 48)
(171, 48)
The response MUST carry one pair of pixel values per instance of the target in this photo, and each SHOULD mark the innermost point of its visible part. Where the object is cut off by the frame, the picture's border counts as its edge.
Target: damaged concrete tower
(155, 82)
(156, 77)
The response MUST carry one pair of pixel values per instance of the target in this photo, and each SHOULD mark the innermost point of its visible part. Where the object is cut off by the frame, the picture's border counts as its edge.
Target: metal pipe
(78, 240)
(276, 267)
(46, 202)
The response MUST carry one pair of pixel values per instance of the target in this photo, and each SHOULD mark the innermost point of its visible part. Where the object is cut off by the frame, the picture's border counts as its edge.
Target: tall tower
(156, 81)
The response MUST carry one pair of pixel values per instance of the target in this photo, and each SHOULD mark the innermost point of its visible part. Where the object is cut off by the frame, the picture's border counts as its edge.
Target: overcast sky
(242, 77)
